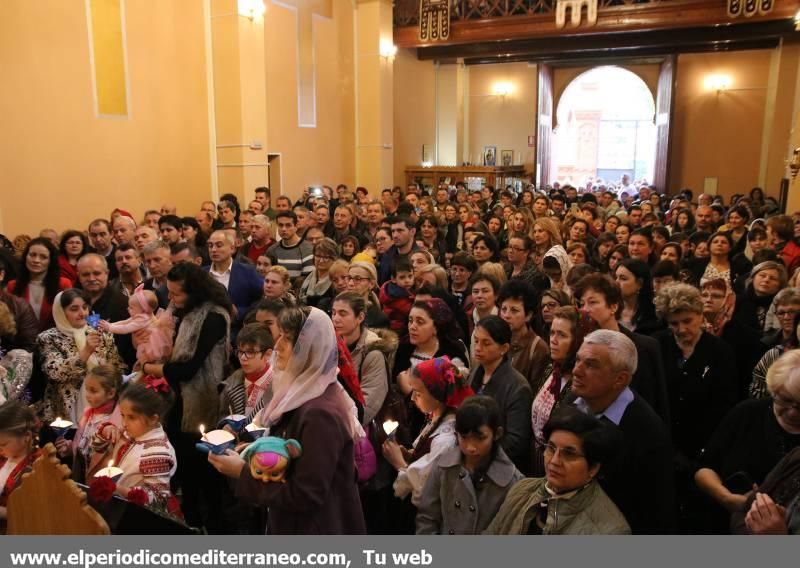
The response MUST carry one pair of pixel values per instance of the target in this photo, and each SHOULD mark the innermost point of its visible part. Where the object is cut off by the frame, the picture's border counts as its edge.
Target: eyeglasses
(246, 355)
(549, 305)
(567, 454)
(784, 313)
(356, 279)
(788, 404)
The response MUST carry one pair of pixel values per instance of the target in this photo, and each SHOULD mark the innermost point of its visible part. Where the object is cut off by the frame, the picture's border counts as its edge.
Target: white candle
(390, 426)
(109, 471)
(61, 424)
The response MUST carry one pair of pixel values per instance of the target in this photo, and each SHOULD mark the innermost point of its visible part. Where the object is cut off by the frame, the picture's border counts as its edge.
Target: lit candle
(202, 432)
(61, 424)
(112, 472)
(390, 426)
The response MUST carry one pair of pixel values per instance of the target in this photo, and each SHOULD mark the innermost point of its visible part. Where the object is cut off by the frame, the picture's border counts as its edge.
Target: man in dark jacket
(641, 481)
(602, 300)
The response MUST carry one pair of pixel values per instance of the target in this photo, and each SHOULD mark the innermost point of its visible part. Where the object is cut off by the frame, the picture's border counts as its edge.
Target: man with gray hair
(106, 301)
(641, 481)
(158, 260)
(245, 286)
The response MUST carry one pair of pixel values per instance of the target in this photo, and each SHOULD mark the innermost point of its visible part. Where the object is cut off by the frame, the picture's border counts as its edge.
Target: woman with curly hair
(700, 367)
(73, 246)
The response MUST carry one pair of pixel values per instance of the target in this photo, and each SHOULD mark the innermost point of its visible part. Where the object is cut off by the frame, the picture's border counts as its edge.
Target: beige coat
(585, 511)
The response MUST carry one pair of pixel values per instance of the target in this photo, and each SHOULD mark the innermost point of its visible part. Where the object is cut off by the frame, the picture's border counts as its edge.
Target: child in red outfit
(397, 297)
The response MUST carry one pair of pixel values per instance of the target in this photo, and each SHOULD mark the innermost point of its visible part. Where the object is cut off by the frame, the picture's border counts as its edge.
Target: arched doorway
(605, 127)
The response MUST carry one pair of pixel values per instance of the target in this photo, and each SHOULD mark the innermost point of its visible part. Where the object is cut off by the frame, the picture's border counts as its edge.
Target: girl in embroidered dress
(143, 452)
(99, 427)
(18, 451)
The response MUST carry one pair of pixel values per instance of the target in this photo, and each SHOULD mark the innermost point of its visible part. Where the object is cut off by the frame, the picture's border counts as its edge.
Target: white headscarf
(77, 333)
(313, 367)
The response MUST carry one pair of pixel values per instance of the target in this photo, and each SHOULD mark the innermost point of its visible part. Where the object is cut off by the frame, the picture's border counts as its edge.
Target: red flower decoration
(138, 496)
(158, 384)
(173, 507)
(101, 489)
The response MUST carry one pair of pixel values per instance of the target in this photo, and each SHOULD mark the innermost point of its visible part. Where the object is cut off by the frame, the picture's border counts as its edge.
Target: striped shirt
(298, 260)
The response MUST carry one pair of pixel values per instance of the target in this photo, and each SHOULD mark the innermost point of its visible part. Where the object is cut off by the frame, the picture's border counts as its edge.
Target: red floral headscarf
(443, 381)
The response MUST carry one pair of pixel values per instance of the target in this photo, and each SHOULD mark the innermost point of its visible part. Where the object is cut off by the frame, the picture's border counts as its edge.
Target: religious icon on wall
(490, 155)
(434, 20)
(507, 157)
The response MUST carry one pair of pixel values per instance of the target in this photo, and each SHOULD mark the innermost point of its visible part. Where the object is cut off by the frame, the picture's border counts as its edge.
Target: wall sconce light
(717, 83)
(251, 9)
(387, 49)
(794, 164)
(502, 88)
(797, 21)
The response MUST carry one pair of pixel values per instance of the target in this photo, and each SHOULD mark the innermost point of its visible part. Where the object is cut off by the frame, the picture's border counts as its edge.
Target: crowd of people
(594, 360)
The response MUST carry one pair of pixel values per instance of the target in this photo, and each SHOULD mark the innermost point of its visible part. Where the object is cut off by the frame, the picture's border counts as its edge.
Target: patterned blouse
(65, 372)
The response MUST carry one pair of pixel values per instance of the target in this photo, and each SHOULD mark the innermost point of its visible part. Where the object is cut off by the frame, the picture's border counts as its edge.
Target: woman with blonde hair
(545, 235)
(494, 269)
(466, 214)
(278, 285)
(432, 274)
(362, 277)
(317, 284)
(521, 222)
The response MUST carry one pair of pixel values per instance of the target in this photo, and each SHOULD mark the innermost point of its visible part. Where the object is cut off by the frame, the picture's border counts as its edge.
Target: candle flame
(390, 426)
(110, 464)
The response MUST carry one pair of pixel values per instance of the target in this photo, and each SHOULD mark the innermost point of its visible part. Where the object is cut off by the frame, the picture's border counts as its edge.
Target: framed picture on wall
(507, 157)
(426, 154)
(490, 155)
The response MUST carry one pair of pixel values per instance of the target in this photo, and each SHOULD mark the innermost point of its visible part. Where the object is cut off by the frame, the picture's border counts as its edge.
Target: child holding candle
(100, 425)
(143, 452)
(18, 451)
(249, 389)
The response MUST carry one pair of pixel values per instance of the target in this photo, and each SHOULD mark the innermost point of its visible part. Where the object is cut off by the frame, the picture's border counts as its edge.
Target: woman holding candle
(68, 351)
(320, 494)
(18, 451)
